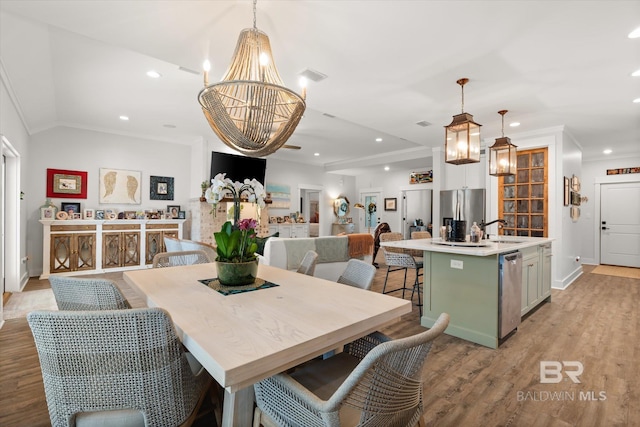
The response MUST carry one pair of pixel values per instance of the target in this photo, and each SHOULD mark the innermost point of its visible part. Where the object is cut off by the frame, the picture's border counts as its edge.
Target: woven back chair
(358, 273)
(420, 235)
(73, 293)
(382, 385)
(173, 259)
(115, 367)
(171, 244)
(308, 264)
(400, 261)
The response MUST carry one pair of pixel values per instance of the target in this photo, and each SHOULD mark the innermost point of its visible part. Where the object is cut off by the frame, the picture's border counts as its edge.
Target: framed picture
(120, 186)
(99, 214)
(77, 215)
(161, 188)
(129, 215)
(89, 214)
(66, 184)
(182, 215)
(48, 213)
(70, 208)
(173, 211)
(567, 191)
(390, 204)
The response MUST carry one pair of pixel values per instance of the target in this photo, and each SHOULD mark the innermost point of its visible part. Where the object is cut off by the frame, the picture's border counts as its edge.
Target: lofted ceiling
(389, 65)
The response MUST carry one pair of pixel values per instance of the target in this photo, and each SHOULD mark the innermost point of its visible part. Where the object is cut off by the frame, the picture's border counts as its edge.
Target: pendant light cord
(254, 14)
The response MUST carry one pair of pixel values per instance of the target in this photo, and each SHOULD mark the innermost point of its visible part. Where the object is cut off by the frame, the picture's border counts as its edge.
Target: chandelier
(502, 154)
(462, 136)
(250, 109)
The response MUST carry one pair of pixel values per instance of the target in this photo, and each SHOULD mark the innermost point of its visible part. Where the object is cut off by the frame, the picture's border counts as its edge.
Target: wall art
(120, 186)
(67, 184)
(161, 188)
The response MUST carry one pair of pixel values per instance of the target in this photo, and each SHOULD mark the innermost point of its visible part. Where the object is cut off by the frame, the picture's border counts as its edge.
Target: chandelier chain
(254, 14)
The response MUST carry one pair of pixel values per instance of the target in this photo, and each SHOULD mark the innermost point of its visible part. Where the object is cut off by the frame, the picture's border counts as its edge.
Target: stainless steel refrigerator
(416, 209)
(463, 205)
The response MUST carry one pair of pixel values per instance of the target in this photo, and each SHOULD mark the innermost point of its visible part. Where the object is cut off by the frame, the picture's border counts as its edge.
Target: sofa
(333, 252)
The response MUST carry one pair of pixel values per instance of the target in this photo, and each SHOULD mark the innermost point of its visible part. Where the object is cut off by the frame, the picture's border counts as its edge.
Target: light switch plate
(456, 264)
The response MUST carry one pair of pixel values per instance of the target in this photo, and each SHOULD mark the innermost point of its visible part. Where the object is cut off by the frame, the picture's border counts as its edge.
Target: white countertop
(484, 248)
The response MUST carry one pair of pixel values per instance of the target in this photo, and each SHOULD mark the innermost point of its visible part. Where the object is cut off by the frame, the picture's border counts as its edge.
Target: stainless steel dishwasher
(510, 292)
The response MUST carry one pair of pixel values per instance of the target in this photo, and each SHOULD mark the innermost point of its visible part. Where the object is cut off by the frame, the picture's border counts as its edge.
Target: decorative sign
(622, 170)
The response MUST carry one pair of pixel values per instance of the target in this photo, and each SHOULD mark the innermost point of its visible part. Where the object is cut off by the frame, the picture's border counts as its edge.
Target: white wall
(589, 229)
(83, 150)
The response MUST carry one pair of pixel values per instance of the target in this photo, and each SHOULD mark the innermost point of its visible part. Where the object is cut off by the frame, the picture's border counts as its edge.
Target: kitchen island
(462, 279)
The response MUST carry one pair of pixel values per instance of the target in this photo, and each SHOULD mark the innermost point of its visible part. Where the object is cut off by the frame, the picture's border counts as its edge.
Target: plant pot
(237, 273)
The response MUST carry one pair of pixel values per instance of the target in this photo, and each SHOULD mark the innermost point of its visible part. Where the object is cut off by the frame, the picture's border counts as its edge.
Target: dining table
(242, 337)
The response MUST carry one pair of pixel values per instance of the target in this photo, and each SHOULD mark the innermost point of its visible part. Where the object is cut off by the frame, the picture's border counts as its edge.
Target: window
(522, 198)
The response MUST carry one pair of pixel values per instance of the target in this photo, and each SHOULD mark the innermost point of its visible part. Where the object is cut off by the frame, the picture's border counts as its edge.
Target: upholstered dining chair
(75, 293)
(173, 259)
(375, 381)
(116, 368)
(358, 273)
(308, 264)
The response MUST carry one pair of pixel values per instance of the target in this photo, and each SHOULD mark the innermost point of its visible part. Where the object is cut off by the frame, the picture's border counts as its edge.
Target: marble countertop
(484, 248)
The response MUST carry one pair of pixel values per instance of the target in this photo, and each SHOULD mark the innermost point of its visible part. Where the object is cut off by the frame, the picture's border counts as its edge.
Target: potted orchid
(237, 262)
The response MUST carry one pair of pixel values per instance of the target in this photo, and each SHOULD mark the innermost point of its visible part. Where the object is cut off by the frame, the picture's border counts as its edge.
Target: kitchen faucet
(483, 225)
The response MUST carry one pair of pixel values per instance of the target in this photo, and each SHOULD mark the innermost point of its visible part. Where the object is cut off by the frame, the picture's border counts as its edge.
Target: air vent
(423, 123)
(313, 75)
(329, 115)
(188, 70)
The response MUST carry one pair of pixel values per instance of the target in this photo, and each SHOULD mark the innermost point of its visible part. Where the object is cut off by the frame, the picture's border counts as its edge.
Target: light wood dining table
(243, 338)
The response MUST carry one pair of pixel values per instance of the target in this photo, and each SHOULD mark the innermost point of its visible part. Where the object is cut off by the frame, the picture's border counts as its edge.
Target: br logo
(551, 371)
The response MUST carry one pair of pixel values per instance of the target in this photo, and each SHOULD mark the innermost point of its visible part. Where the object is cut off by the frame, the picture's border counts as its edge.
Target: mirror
(341, 207)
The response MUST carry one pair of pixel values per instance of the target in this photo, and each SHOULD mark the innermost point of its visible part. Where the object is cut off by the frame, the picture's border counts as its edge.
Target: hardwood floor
(595, 322)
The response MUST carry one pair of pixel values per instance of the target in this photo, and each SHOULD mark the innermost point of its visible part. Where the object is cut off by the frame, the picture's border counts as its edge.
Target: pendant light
(462, 136)
(250, 109)
(502, 154)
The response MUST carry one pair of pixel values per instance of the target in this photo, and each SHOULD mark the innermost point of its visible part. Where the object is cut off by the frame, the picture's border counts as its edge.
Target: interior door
(620, 224)
(371, 202)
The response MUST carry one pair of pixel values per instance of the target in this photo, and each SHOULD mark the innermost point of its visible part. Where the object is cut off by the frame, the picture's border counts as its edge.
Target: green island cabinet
(464, 282)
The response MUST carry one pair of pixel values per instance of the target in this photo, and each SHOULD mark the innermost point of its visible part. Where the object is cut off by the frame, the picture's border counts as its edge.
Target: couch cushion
(332, 249)
(296, 250)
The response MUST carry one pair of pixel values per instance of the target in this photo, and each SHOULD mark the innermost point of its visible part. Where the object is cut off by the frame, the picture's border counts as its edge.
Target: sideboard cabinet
(75, 247)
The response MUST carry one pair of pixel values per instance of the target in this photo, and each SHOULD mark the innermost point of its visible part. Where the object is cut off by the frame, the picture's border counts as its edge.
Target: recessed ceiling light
(514, 124)
(637, 100)
(316, 154)
(386, 168)
(608, 151)
(378, 139)
(154, 74)
(634, 34)
(636, 73)
(124, 118)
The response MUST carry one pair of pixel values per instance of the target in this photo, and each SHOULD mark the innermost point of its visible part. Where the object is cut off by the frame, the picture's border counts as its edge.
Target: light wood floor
(595, 321)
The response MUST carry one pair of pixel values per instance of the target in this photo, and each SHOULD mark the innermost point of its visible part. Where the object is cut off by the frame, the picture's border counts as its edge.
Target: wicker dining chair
(74, 293)
(420, 235)
(115, 368)
(358, 273)
(173, 259)
(308, 264)
(399, 260)
(375, 381)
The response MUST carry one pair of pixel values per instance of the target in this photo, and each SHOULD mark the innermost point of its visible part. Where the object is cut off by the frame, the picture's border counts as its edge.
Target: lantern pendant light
(462, 136)
(502, 154)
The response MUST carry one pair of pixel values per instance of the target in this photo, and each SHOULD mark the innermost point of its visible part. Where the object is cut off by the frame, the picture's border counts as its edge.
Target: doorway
(311, 206)
(10, 219)
(369, 218)
(620, 224)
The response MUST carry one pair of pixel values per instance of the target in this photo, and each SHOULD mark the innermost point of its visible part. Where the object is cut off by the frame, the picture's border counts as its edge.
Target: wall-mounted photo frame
(391, 204)
(567, 191)
(69, 207)
(173, 211)
(120, 186)
(161, 188)
(66, 184)
(48, 213)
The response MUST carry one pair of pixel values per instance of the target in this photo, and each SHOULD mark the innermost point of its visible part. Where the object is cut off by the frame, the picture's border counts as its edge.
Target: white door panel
(620, 224)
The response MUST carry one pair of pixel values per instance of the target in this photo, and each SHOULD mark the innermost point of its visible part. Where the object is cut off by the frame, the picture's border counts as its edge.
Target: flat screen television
(238, 168)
